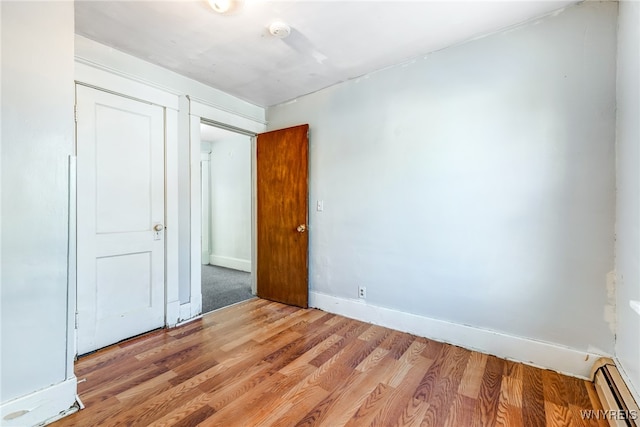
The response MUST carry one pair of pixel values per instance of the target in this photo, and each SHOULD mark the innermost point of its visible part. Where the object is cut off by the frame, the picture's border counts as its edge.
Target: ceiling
(331, 40)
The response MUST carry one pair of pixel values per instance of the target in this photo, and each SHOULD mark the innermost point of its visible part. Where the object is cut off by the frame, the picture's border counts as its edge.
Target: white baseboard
(536, 353)
(228, 262)
(42, 407)
(632, 388)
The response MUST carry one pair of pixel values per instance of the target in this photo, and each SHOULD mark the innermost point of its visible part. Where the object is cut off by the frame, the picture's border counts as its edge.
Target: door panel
(282, 198)
(120, 164)
(119, 150)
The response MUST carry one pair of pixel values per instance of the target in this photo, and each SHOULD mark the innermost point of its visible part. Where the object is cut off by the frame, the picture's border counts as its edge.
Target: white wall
(230, 183)
(119, 63)
(474, 185)
(628, 183)
(37, 139)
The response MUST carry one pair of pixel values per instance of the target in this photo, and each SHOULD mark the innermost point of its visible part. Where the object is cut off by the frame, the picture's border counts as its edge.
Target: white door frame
(88, 75)
(200, 111)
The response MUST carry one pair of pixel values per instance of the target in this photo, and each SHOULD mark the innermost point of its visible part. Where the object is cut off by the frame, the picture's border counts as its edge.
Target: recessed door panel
(125, 178)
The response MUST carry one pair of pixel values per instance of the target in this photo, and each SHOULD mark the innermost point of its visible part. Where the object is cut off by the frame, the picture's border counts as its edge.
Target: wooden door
(120, 217)
(282, 198)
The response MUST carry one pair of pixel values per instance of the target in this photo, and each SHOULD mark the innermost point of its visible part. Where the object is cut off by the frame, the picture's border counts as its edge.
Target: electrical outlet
(362, 292)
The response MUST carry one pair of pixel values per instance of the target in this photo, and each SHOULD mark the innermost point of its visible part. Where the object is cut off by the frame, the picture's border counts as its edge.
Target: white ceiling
(331, 41)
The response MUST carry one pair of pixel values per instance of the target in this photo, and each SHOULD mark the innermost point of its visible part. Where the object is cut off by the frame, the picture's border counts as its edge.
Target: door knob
(301, 228)
(158, 227)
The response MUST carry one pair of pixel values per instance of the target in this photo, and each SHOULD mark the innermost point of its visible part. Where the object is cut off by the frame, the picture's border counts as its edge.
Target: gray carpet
(223, 286)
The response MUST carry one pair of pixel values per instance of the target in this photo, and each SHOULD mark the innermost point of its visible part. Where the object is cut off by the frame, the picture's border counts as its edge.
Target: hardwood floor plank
(472, 377)
(371, 406)
(486, 410)
(145, 412)
(259, 391)
(446, 387)
(414, 351)
(557, 415)
(394, 405)
(511, 391)
(533, 409)
(461, 412)
(273, 406)
(372, 360)
(554, 389)
(349, 333)
(196, 417)
(312, 353)
(94, 382)
(398, 343)
(261, 363)
(179, 414)
(509, 416)
(345, 400)
(413, 414)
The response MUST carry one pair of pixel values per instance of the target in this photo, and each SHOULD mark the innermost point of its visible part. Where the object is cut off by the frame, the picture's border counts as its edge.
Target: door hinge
(76, 320)
(75, 113)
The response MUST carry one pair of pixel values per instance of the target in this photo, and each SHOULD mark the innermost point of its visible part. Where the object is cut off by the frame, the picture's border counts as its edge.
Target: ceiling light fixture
(279, 29)
(222, 6)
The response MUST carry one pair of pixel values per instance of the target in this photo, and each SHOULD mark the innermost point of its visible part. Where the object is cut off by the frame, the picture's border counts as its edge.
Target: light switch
(320, 205)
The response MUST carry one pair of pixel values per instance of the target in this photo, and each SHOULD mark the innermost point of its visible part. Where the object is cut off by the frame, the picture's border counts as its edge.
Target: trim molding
(106, 79)
(185, 313)
(229, 262)
(173, 313)
(206, 111)
(190, 310)
(42, 407)
(627, 380)
(531, 352)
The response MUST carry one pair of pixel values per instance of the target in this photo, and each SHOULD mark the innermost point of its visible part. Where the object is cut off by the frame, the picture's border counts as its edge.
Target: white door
(120, 217)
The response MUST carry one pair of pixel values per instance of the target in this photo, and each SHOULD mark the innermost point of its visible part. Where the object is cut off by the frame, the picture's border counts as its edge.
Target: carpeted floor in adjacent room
(223, 286)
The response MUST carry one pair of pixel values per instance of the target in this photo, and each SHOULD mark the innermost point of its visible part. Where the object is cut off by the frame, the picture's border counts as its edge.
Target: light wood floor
(264, 363)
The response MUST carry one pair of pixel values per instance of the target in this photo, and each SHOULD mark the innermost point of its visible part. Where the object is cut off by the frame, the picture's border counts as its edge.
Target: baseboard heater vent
(620, 408)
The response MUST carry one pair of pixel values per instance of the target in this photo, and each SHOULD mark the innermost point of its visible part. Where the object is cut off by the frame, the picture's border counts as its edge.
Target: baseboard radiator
(620, 408)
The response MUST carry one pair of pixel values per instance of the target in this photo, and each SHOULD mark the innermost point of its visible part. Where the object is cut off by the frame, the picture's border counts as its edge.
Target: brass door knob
(301, 228)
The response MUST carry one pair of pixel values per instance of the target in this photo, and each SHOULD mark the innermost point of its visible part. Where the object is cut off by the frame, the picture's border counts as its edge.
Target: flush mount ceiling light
(224, 6)
(279, 29)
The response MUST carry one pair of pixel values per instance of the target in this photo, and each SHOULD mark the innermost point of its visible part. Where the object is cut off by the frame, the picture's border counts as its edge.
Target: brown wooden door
(282, 197)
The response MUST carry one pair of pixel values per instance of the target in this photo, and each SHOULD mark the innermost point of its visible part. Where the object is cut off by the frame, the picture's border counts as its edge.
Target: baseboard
(536, 353)
(42, 407)
(228, 262)
(635, 392)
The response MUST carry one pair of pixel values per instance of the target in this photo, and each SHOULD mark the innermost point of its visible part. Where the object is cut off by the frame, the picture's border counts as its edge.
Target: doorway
(226, 217)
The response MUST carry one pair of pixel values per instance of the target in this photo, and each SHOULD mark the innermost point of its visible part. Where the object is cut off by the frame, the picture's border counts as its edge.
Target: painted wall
(37, 139)
(230, 202)
(95, 53)
(476, 184)
(628, 183)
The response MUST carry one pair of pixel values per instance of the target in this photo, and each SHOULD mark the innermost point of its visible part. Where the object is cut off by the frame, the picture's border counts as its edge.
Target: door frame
(87, 75)
(205, 113)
